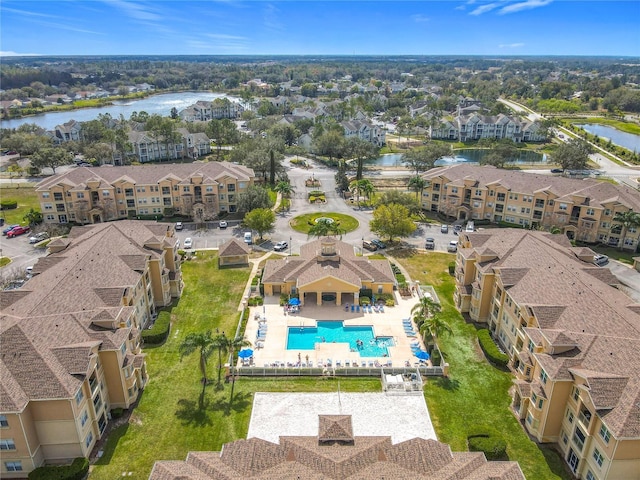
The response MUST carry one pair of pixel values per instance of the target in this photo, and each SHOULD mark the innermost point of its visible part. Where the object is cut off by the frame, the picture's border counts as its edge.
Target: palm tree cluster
(427, 316)
(623, 221)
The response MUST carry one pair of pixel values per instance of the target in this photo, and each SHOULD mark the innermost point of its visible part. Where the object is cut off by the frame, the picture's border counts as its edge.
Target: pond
(622, 139)
(470, 155)
(160, 104)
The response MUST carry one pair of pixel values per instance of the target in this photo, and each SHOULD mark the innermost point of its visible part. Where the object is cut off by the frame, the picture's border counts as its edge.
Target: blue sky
(229, 27)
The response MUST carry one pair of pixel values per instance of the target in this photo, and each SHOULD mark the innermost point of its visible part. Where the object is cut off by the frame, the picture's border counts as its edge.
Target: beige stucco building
(70, 339)
(583, 209)
(327, 272)
(572, 338)
(233, 253)
(93, 195)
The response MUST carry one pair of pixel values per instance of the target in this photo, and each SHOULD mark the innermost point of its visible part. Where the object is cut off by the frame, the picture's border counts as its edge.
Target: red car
(18, 231)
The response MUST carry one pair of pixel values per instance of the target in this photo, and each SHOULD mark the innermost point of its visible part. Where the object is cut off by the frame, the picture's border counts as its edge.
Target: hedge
(366, 292)
(160, 330)
(8, 204)
(491, 444)
(490, 349)
(365, 301)
(76, 471)
(255, 301)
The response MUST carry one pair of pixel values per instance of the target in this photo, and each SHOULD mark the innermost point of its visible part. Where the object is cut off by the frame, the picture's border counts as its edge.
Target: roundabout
(303, 223)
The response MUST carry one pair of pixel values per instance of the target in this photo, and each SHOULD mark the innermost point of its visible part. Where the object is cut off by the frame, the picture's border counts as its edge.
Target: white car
(188, 242)
(280, 246)
(223, 224)
(453, 246)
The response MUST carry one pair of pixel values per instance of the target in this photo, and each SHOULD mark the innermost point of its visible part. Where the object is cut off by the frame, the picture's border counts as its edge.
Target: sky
(335, 27)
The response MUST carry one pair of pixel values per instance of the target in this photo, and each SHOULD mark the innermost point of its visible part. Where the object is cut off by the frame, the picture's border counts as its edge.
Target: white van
(248, 238)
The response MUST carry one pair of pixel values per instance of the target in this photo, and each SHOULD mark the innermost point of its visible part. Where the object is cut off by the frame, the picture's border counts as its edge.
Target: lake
(470, 155)
(160, 104)
(622, 139)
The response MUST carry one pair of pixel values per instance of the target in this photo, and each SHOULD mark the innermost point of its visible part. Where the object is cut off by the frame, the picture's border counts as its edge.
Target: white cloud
(223, 36)
(137, 11)
(526, 5)
(461, 7)
(30, 14)
(487, 7)
(16, 54)
(511, 45)
(271, 17)
(420, 18)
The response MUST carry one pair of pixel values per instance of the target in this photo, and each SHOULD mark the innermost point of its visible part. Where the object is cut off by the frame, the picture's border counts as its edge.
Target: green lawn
(475, 394)
(628, 127)
(27, 199)
(301, 223)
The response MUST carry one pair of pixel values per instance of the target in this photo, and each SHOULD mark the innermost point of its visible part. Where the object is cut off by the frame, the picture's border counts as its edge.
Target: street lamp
(289, 246)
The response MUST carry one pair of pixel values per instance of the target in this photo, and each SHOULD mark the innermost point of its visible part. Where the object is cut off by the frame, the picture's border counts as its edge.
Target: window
(57, 196)
(605, 434)
(79, 397)
(84, 417)
(80, 194)
(89, 439)
(576, 394)
(579, 438)
(478, 192)
(45, 195)
(13, 466)
(185, 189)
(105, 193)
(597, 456)
(590, 476)
(570, 416)
(231, 187)
(7, 444)
(3, 421)
(565, 438)
(543, 377)
(590, 211)
(607, 212)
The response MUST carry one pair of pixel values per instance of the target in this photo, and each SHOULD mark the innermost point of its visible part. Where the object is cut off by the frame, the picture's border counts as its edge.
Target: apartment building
(93, 195)
(583, 209)
(71, 339)
(204, 111)
(572, 338)
(365, 131)
(474, 126)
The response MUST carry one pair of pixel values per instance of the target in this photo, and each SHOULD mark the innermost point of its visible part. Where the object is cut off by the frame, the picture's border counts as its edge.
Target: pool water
(305, 338)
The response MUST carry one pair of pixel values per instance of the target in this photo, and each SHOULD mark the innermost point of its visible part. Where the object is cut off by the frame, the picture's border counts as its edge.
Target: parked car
(369, 245)
(430, 243)
(280, 246)
(557, 170)
(457, 228)
(188, 242)
(444, 229)
(223, 224)
(248, 238)
(179, 226)
(600, 260)
(9, 228)
(453, 246)
(470, 227)
(38, 237)
(379, 243)
(19, 230)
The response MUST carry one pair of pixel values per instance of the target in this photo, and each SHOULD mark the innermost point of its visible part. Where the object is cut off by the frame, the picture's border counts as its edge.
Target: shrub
(401, 278)
(117, 412)
(366, 292)
(255, 301)
(384, 297)
(490, 349)
(436, 358)
(284, 298)
(390, 302)
(160, 330)
(76, 471)
(365, 301)
(491, 444)
(8, 204)
(255, 280)
(452, 268)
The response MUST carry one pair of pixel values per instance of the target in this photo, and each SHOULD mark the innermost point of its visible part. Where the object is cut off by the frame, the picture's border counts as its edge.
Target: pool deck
(274, 349)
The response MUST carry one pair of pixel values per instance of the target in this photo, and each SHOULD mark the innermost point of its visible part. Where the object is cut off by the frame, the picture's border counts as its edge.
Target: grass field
(175, 416)
(27, 199)
(301, 223)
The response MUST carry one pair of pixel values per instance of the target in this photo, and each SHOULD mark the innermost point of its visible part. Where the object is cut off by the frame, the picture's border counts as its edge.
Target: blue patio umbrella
(422, 355)
(245, 353)
(294, 301)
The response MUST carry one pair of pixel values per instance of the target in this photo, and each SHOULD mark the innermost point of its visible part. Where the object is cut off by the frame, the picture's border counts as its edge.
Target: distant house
(365, 131)
(204, 111)
(233, 253)
(69, 131)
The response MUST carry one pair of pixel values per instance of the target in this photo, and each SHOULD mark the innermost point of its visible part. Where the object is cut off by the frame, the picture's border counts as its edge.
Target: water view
(470, 155)
(622, 139)
(160, 104)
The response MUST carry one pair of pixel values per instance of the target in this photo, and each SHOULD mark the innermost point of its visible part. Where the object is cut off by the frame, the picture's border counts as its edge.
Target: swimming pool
(305, 338)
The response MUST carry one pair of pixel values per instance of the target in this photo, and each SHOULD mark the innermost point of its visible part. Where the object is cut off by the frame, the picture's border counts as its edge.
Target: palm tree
(426, 314)
(235, 344)
(625, 220)
(367, 188)
(357, 187)
(203, 342)
(417, 183)
(221, 344)
(325, 227)
(284, 188)
(425, 308)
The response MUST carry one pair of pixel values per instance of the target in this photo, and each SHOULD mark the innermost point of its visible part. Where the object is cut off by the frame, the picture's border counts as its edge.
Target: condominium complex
(93, 195)
(572, 339)
(71, 339)
(583, 209)
(474, 126)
